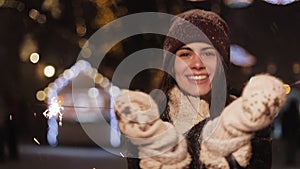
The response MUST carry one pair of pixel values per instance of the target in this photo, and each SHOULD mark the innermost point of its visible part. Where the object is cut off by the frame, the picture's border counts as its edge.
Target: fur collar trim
(185, 110)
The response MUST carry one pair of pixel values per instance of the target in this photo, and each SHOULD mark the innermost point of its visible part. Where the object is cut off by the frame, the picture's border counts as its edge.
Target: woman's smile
(198, 78)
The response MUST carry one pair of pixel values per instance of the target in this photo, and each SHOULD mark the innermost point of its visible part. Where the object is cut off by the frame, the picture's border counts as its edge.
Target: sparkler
(54, 109)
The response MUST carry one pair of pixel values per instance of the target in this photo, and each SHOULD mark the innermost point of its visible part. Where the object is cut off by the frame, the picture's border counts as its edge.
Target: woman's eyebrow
(190, 49)
(202, 49)
(206, 48)
(185, 48)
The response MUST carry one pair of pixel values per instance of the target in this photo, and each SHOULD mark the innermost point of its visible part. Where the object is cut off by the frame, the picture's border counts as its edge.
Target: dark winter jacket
(261, 151)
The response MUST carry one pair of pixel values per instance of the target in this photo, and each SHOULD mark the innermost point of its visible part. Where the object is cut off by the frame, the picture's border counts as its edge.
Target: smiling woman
(189, 127)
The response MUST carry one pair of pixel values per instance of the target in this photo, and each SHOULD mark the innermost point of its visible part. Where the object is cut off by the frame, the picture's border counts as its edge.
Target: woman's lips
(199, 79)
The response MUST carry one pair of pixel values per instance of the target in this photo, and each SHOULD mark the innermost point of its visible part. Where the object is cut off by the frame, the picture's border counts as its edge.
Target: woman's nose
(196, 62)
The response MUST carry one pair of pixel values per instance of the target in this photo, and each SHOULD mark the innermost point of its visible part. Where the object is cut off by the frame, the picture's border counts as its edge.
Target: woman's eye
(184, 54)
(208, 54)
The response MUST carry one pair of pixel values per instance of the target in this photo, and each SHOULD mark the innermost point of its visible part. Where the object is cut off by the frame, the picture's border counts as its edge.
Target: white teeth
(200, 77)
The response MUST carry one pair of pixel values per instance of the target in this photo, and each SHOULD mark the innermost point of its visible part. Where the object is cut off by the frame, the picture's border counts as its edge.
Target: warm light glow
(42, 19)
(247, 70)
(81, 29)
(36, 141)
(86, 52)
(82, 42)
(40, 95)
(14, 4)
(49, 71)
(29, 45)
(98, 79)
(92, 73)
(34, 14)
(2, 2)
(105, 83)
(287, 88)
(46, 90)
(53, 6)
(296, 68)
(34, 57)
(93, 92)
(271, 68)
(37, 16)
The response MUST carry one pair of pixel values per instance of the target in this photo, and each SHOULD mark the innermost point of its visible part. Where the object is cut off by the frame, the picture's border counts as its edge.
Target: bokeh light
(2, 2)
(33, 14)
(114, 91)
(93, 92)
(34, 57)
(40, 95)
(49, 71)
(241, 57)
(296, 68)
(238, 3)
(271, 68)
(280, 2)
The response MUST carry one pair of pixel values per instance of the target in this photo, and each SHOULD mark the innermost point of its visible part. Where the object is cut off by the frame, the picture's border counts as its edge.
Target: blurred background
(40, 41)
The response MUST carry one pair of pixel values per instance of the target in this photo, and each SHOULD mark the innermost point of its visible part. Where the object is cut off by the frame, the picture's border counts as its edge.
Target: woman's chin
(197, 91)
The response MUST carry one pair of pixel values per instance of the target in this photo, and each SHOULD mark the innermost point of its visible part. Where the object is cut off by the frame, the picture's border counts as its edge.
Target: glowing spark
(121, 154)
(10, 117)
(37, 142)
(54, 109)
(287, 88)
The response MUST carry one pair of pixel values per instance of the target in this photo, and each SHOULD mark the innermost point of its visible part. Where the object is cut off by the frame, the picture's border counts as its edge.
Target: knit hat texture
(198, 26)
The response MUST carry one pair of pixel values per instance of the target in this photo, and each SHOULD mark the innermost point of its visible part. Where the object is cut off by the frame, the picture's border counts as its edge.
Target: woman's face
(194, 67)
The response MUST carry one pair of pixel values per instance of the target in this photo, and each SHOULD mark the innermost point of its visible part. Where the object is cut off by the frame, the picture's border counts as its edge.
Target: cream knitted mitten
(231, 132)
(158, 142)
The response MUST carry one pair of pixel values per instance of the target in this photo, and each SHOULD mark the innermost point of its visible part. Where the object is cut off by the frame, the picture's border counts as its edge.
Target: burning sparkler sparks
(54, 109)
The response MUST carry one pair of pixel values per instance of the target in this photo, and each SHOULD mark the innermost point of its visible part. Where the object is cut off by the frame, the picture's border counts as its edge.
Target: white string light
(280, 2)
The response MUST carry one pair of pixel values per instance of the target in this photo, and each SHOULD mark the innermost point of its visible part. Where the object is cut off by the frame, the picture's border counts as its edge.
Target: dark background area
(269, 32)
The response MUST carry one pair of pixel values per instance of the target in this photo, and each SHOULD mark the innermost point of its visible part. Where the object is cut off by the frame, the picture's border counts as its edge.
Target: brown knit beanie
(198, 26)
